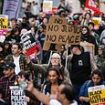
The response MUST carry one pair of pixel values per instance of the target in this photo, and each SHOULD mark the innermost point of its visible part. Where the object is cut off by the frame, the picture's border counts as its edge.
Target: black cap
(8, 65)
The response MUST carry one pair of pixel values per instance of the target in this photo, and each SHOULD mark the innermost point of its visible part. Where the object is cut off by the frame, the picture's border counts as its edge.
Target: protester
(100, 59)
(14, 36)
(13, 23)
(2, 50)
(7, 80)
(93, 32)
(86, 36)
(80, 65)
(86, 20)
(65, 95)
(96, 80)
(7, 48)
(74, 68)
(22, 78)
(50, 88)
(54, 62)
(18, 58)
(102, 37)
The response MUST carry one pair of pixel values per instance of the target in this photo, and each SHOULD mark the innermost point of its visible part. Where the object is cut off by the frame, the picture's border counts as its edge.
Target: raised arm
(39, 95)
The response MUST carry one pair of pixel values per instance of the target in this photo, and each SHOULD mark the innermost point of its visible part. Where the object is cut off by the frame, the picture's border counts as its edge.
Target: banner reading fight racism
(59, 32)
(17, 96)
(3, 24)
(29, 43)
(97, 95)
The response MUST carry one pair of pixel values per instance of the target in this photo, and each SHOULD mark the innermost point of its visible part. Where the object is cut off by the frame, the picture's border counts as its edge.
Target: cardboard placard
(3, 24)
(17, 96)
(59, 32)
(29, 43)
(97, 95)
(88, 47)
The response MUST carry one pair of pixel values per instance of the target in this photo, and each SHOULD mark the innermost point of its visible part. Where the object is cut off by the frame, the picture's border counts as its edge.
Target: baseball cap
(8, 65)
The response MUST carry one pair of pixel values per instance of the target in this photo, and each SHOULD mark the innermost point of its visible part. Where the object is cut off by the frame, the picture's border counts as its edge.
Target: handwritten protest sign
(59, 32)
(17, 96)
(29, 43)
(3, 24)
(88, 47)
(97, 95)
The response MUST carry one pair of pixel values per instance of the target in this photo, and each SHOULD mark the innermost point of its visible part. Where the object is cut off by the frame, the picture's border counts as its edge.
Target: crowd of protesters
(52, 77)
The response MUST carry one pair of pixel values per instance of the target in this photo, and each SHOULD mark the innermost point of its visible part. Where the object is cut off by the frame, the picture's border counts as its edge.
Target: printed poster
(97, 95)
(3, 24)
(29, 43)
(17, 96)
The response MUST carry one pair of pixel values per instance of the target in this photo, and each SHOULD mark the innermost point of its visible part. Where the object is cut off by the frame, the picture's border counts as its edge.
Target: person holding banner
(79, 64)
(54, 62)
(22, 78)
(96, 79)
(19, 59)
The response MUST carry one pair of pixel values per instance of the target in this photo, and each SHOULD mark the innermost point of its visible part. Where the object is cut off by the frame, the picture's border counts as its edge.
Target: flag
(91, 5)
